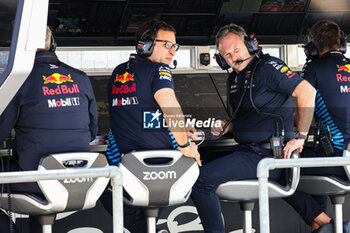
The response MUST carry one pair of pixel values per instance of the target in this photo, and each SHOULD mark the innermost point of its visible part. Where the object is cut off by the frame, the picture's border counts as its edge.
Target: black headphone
(145, 45)
(311, 51)
(343, 46)
(53, 43)
(250, 42)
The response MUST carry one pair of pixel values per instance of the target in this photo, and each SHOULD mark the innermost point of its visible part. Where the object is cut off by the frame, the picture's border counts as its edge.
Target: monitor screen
(99, 85)
(197, 94)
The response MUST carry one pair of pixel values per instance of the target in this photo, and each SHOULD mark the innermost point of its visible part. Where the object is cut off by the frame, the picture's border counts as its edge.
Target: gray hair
(48, 38)
(230, 28)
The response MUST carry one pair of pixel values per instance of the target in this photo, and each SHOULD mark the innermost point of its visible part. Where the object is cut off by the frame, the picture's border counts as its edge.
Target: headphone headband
(145, 45)
(250, 42)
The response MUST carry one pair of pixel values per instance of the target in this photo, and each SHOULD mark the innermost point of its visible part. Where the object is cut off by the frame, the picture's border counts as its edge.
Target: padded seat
(332, 186)
(60, 195)
(153, 179)
(246, 192)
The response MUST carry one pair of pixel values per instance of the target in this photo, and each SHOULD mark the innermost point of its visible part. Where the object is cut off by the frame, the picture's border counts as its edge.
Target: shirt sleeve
(9, 118)
(93, 113)
(162, 78)
(280, 77)
(309, 75)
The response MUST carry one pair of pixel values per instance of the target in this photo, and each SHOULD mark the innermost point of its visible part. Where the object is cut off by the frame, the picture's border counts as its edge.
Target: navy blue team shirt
(131, 92)
(53, 111)
(273, 85)
(330, 75)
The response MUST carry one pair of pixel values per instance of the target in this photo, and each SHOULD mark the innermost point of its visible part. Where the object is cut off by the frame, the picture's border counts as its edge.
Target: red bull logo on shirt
(61, 89)
(126, 77)
(125, 88)
(57, 78)
(343, 78)
(344, 68)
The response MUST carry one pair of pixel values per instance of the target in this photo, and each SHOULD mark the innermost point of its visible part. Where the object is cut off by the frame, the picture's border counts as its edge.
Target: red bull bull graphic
(344, 68)
(57, 78)
(126, 77)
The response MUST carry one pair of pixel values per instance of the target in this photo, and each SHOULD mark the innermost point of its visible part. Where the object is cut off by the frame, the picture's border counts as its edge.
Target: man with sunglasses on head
(145, 83)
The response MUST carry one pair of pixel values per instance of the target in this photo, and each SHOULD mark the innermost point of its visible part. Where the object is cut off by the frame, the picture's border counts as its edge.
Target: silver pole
(247, 222)
(117, 203)
(264, 205)
(151, 224)
(47, 229)
(268, 164)
(338, 212)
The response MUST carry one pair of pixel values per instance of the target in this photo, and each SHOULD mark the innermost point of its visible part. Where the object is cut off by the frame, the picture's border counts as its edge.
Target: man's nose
(172, 51)
(234, 58)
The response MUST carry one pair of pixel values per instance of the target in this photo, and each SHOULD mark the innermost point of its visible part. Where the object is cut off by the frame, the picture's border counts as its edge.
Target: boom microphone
(175, 64)
(241, 61)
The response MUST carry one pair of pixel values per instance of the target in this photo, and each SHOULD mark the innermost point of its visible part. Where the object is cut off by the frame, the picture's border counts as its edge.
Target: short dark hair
(325, 34)
(230, 28)
(151, 28)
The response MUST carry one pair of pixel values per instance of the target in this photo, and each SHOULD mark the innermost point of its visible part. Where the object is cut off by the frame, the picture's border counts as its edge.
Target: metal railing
(268, 164)
(112, 172)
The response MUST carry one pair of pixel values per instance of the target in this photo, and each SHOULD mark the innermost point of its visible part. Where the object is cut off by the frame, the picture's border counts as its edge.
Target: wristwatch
(185, 145)
(300, 136)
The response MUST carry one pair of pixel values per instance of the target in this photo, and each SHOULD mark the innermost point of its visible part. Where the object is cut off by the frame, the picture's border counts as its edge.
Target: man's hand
(191, 132)
(217, 130)
(291, 146)
(192, 152)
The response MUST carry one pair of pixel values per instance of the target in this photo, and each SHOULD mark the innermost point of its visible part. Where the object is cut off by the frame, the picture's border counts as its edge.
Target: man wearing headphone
(260, 95)
(328, 71)
(140, 93)
(54, 111)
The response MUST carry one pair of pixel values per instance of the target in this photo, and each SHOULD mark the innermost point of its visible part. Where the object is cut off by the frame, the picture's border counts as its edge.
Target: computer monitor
(197, 94)
(202, 96)
(99, 85)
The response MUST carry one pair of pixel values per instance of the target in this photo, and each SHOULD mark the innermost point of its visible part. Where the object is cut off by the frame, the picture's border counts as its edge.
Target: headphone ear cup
(252, 44)
(343, 45)
(221, 61)
(145, 47)
(310, 51)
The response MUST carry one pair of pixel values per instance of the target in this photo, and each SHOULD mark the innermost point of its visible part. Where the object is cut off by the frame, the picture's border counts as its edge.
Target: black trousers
(134, 218)
(310, 206)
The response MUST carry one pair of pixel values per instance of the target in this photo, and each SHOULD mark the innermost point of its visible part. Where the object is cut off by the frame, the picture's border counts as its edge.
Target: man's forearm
(176, 122)
(305, 115)
(306, 105)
